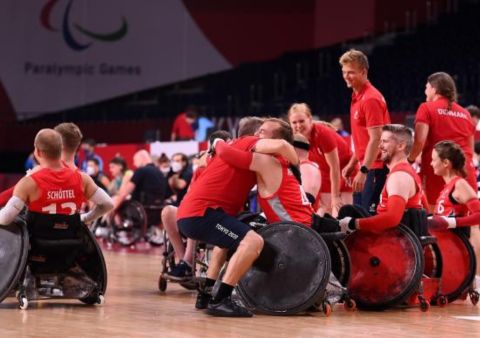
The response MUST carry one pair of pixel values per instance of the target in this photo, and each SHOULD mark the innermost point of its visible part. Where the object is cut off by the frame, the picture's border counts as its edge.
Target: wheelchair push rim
(291, 273)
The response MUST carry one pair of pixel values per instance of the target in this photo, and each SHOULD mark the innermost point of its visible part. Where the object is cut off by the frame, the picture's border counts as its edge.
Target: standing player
(329, 150)
(368, 114)
(441, 118)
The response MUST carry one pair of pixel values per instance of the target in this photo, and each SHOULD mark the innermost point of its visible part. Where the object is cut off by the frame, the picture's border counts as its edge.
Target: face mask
(165, 170)
(176, 167)
(90, 171)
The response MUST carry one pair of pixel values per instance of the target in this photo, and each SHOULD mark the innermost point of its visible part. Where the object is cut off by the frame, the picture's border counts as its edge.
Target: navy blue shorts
(215, 227)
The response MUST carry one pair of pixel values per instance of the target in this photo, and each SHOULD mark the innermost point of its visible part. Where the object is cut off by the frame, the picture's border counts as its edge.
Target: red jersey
(414, 202)
(60, 191)
(368, 109)
(323, 140)
(220, 186)
(445, 206)
(182, 128)
(316, 204)
(289, 202)
(460, 128)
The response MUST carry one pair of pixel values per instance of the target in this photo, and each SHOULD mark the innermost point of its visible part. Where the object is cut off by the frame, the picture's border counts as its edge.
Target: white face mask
(165, 170)
(90, 170)
(176, 167)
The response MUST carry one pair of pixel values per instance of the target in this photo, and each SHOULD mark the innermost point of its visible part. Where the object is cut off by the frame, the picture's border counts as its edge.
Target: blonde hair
(354, 56)
(299, 108)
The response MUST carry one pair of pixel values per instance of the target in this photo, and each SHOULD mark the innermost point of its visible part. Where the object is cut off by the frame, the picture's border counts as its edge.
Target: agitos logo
(67, 26)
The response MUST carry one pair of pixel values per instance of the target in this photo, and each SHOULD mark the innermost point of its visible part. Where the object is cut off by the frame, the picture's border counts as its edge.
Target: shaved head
(141, 158)
(49, 142)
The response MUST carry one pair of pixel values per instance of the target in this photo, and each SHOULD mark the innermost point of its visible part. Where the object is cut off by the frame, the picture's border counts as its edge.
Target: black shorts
(214, 227)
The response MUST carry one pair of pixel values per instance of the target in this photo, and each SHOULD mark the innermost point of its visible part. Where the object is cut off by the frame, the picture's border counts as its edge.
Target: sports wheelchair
(406, 265)
(130, 222)
(51, 256)
(293, 271)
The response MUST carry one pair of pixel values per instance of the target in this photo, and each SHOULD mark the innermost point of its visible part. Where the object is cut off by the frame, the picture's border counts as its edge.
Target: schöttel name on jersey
(60, 194)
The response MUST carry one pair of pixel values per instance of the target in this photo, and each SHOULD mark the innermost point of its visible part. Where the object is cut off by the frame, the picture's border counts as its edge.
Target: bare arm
(371, 152)
(125, 190)
(278, 147)
(102, 202)
(463, 192)
(421, 133)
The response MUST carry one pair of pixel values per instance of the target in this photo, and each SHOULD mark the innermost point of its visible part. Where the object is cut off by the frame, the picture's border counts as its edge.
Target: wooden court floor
(135, 308)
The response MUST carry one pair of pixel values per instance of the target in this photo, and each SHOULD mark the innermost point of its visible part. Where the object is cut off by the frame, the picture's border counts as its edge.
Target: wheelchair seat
(63, 261)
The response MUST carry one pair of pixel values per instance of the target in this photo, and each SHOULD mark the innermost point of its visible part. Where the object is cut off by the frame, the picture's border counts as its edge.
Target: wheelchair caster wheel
(474, 297)
(23, 303)
(162, 284)
(442, 301)
(101, 299)
(327, 309)
(424, 305)
(350, 305)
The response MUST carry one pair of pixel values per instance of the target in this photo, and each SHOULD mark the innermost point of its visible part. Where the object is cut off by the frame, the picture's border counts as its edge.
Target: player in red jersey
(208, 212)
(71, 139)
(184, 253)
(54, 188)
(368, 114)
(280, 192)
(402, 189)
(329, 150)
(439, 119)
(457, 204)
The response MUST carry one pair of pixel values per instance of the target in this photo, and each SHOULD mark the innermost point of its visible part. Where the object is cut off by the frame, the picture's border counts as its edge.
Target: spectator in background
(475, 113)
(30, 162)
(204, 127)
(182, 129)
(163, 163)
(93, 170)
(181, 177)
(368, 114)
(338, 124)
(120, 174)
(88, 147)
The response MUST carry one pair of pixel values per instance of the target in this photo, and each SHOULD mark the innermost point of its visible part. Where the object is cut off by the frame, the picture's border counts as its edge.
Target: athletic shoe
(203, 298)
(227, 308)
(181, 272)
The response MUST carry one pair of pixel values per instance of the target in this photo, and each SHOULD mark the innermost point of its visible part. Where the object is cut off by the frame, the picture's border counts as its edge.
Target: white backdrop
(55, 55)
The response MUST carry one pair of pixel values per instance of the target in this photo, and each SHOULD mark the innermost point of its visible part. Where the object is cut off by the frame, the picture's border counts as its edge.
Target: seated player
(184, 253)
(208, 214)
(55, 188)
(402, 189)
(457, 205)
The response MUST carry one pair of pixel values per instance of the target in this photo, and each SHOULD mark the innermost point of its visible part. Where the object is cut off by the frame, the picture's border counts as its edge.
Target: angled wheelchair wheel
(14, 244)
(386, 268)
(291, 273)
(459, 263)
(129, 223)
(93, 263)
